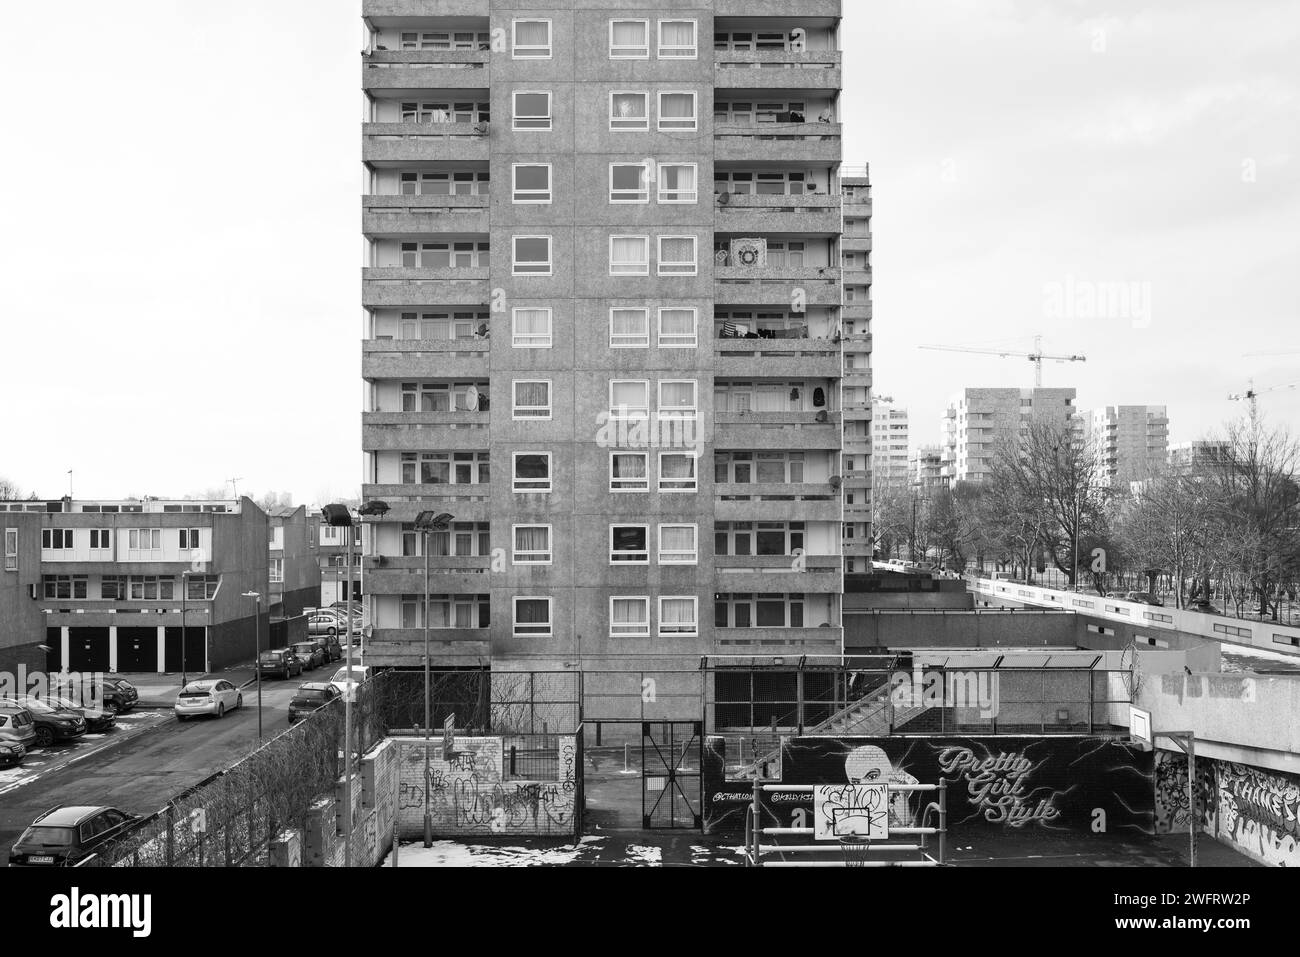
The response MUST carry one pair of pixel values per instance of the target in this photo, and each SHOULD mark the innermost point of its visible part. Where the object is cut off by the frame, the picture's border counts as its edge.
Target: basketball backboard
(851, 810)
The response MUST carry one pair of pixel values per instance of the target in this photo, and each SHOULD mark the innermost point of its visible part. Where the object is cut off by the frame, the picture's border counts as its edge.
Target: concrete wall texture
(990, 629)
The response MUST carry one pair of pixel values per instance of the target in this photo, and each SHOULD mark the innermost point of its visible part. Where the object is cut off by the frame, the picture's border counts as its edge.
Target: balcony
(778, 573)
(777, 358)
(856, 379)
(419, 431)
(828, 640)
(855, 244)
(419, 142)
(418, 11)
(801, 213)
(469, 503)
(387, 575)
(395, 70)
(858, 512)
(777, 430)
(776, 8)
(422, 358)
(770, 285)
(777, 142)
(778, 70)
(394, 286)
(426, 215)
(856, 413)
(404, 647)
(857, 311)
(803, 502)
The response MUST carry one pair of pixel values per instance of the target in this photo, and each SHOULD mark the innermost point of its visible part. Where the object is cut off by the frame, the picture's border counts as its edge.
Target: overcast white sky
(181, 247)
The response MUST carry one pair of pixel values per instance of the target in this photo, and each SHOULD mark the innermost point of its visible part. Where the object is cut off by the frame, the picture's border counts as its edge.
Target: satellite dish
(472, 399)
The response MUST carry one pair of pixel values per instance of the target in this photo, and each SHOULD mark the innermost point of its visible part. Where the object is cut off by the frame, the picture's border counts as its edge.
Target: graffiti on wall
(1172, 799)
(1258, 813)
(1099, 785)
(470, 793)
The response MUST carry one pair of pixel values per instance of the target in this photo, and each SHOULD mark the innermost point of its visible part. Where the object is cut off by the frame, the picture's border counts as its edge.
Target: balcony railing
(825, 640)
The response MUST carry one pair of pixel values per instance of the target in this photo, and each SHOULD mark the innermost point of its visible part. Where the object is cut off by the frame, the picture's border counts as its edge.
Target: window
(532, 544)
(678, 544)
(677, 256)
(532, 110)
(189, 538)
(629, 617)
(113, 587)
(202, 587)
(152, 588)
(679, 183)
(629, 112)
(532, 618)
(629, 544)
(677, 40)
(445, 468)
(679, 617)
(11, 549)
(532, 39)
(277, 571)
(532, 183)
(532, 472)
(629, 255)
(629, 399)
(459, 183)
(629, 471)
(629, 328)
(531, 328)
(677, 111)
(677, 398)
(677, 472)
(144, 539)
(677, 328)
(629, 183)
(56, 538)
(102, 538)
(532, 399)
(629, 39)
(532, 255)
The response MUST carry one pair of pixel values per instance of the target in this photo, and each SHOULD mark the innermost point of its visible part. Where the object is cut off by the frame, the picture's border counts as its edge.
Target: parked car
(64, 836)
(340, 679)
(281, 662)
(310, 696)
(97, 719)
(322, 623)
(11, 755)
(214, 697)
(118, 695)
(309, 653)
(330, 646)
(17, 726)
(52, 724)
(1142, 598)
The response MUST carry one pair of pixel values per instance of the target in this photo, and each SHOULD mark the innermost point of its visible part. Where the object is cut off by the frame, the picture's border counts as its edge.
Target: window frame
(633, 413)
(645, 600)
(515, 334)
(643, 342)
(639, 56)
(645, 456)
(694, 554)
(694, 201)
(515, 191)
(679, 268)
(550, 617)
(515, 117)
(692, 413)
(643, 192)
(694, 489)
(695, 112)
(694, 48)
(643, 557)
(695, 603)
(514, 546)
(514, 39)
(514, 401)
(514, 474)
(533, 273)
(695, 326)
(645, 96)
(638, 266)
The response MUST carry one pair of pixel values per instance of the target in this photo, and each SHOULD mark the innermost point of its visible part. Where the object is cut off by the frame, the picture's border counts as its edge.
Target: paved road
(142, 772)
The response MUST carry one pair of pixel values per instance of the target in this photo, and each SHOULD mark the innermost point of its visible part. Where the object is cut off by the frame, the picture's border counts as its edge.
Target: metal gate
(670, 775)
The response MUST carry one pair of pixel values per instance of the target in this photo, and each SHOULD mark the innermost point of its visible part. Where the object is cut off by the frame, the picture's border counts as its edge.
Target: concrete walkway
(160, 691)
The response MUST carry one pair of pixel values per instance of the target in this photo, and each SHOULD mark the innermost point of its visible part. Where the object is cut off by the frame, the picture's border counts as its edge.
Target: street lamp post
(428, 523)
(185, 587)
(257, 653)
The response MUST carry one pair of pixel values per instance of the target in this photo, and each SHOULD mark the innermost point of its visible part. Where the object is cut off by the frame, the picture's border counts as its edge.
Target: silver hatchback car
(17, 734)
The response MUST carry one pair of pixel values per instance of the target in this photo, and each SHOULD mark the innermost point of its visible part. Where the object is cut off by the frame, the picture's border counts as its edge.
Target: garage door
(137, 650)
(87, 649)
(54, 657)
(196, 645)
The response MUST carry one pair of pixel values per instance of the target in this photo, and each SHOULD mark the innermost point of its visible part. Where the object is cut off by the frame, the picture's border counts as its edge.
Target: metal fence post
(754, 819)
(943, 820)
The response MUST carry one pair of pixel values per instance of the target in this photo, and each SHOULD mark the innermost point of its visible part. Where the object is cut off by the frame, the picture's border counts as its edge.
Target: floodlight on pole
(428, 523)
(257, 651)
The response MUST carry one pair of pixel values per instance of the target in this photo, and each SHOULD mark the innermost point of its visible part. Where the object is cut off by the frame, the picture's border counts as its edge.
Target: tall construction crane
(1037, 357)
(1252, 395)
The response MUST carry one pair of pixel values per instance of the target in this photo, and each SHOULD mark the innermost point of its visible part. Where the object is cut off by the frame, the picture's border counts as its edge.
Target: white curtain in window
(629, 395)
(677, 614)
(628, 467)
(678, 182)
(630, 37)
(676, 33)
(677, 467)
(677, 395)
(532, 33)
(679, 107)
(677, 538)
(532, 322)
(630, 615)
(532, 395)
(533, 538)
(628, 324)
(677, 251)
(677, 324)
(629, 253)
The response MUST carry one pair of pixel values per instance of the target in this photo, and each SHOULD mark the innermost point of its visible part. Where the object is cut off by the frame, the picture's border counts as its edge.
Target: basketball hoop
(857, 850)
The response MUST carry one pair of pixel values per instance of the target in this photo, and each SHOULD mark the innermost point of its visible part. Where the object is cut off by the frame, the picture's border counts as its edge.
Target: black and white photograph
(576, 435)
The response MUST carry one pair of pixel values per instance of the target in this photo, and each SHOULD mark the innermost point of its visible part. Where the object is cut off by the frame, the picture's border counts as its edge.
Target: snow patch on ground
(1236, 660)
(455, 854)
(644, 855)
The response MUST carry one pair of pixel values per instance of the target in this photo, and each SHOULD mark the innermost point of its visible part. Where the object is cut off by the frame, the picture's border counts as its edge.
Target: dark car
(65, 836)
(330, 648)
(310, 696)
(97, 719)
(281, 662)
(310, 654)
(52, 724)
(118, 695)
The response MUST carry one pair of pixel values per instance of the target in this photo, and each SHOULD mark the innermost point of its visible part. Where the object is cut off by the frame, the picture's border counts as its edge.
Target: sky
(1123, 181)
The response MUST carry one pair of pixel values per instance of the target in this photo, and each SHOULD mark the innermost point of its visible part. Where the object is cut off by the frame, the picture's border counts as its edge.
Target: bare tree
(9, 491)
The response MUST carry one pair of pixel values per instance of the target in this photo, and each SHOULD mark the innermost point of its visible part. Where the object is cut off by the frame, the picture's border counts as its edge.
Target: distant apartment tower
(925, 467)
(1131, 441)
(1202, 455)
(109, 585)
(856, 244)
(979, 421)
(889, 445)
(603, 331)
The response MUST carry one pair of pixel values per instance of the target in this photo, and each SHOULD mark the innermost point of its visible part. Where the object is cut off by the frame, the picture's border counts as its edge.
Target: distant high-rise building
(1201, 455)
(925, 468)
(979, 421)
(889, 444)
(1131, 441)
